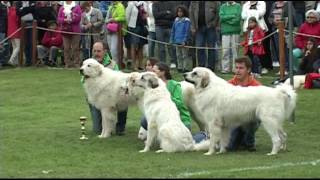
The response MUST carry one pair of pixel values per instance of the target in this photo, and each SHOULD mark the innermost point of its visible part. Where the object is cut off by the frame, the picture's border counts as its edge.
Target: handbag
(66, 27)
(259, 50)
(112, 27)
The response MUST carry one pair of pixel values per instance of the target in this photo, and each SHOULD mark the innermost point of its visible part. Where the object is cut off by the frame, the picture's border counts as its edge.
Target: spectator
(103, 7)
(50, 44)
(44, 14)
(312, 27)
(256, 9)
(69, 18)
(204, 16)
(151, 29)
(116, 14)
(26, 11)
(253, 46)
(136, 15)
(278, 13)
(243, 135)
(180, 33)
(91, 22)
(13, 25)
(230, 19)
(310, 56)
(3, 30)
(164, 14)
(163, 72)
(101, 54)
(300, 8)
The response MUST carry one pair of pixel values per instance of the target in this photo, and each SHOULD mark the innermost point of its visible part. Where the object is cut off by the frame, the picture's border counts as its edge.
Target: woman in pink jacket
(13, 25)
(69, 18)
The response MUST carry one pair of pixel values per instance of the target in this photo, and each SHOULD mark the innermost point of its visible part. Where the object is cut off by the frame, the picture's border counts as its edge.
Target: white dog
(298, 81)
(103, 88)
(136, 95)
(163, 116)
(225, 106)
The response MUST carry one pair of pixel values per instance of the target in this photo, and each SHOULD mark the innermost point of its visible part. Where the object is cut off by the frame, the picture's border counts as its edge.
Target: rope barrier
(5, 39)
(156, 41)
(303, 34)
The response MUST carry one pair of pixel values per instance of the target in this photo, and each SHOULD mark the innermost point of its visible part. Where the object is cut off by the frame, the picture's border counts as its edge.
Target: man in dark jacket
(26, 11)
(3, 31)
(164, 14)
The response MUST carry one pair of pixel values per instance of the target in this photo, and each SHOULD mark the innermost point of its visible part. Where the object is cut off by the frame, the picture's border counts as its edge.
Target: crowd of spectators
(216, 26)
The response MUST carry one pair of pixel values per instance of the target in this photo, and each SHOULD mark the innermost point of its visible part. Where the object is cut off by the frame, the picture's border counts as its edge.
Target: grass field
(40, 130)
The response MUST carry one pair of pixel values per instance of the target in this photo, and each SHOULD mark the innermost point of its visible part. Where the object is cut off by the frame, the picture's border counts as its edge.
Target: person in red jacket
(253, 46)
(50, 44)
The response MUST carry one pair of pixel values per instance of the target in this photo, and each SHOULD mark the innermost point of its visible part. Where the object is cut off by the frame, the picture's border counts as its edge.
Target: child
(179, 35)
(309, 57)
(252, 47)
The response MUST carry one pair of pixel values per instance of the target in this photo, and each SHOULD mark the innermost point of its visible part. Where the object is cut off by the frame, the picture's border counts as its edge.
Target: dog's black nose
(81, 71)
(184, 75)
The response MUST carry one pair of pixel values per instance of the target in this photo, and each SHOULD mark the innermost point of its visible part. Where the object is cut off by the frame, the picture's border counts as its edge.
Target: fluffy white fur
(136, 95)
(225, 106)
(103, 88)
(163, 116)
(298, 81)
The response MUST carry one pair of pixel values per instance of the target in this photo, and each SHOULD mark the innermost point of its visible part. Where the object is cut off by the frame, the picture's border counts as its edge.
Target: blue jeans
(200, 136)
(152, 35)
(163, 34)
(243, 136)
(3, 50)
(97, 120)
(28, 44)
(206, 37)
(255, 60)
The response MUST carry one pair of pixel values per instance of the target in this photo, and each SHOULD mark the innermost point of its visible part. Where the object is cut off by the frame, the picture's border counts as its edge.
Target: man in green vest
(100, 53)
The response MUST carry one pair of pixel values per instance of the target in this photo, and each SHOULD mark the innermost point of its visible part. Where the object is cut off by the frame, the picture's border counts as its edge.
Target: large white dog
(188, 90)
(163, 117)
(225, 106)
(103, 88)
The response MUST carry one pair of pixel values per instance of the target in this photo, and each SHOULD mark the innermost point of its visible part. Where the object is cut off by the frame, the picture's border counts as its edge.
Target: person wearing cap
(50, 44)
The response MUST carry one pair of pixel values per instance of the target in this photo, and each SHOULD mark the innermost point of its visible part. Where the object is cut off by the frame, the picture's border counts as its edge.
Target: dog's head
(91, 68)
(128, 87)
(146, 80)
(199, 76)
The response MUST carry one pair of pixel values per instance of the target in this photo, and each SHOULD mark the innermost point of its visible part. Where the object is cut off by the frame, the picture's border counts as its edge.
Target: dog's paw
(103, 136)
(271, 154)
(208, 153)
(160, 151)
(142, 151)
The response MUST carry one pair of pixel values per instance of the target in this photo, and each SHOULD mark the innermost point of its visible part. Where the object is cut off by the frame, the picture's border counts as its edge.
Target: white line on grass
(314, 163)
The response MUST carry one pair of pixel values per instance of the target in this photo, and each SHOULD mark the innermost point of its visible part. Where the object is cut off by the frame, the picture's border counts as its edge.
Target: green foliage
(40, 130)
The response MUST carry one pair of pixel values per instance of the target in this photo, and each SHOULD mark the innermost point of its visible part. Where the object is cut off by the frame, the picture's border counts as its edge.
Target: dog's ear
(205, 80)
(153, 82)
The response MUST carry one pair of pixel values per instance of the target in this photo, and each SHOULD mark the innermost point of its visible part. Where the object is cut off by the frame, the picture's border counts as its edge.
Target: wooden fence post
(34, 42)
(281, 49)
(120, 48)
(22, 43)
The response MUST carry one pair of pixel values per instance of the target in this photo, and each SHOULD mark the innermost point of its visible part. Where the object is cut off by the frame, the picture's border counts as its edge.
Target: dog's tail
(201, 146)
(290, 98)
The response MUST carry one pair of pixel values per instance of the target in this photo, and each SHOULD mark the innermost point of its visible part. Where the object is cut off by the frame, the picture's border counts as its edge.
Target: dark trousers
(97, 120)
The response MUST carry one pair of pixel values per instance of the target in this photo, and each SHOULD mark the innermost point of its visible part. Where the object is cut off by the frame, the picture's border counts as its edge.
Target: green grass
(40, 130)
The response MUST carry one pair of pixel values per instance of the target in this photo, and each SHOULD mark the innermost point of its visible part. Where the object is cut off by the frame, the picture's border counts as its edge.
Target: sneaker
(276, 64)
(264, 71)
(257, 76)
(224, 72)
(285, 73)
(173, 65)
